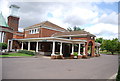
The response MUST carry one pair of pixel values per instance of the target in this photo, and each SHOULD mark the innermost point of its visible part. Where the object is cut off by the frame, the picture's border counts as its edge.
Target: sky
(99, 18)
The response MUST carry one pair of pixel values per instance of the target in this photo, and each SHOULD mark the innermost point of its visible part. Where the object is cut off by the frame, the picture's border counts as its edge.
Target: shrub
(27, 52)
(3, 46)
(75, 54)
(118, 76)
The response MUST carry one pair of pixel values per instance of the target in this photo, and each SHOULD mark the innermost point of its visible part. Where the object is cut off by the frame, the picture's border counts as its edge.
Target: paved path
(102, 67)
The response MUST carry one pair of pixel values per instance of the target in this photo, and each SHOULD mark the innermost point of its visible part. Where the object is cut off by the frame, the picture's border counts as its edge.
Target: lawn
(14, 54)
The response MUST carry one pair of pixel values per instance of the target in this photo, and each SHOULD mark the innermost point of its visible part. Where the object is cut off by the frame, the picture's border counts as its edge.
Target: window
(34, 31)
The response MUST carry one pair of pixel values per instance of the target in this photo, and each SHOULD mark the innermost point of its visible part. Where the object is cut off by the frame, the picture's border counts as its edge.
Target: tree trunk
(112, 53)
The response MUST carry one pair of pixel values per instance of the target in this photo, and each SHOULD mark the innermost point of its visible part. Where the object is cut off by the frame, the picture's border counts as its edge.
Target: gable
(47, 25)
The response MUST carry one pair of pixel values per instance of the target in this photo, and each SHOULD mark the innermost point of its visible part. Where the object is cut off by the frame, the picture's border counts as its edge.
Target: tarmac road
(103, 67)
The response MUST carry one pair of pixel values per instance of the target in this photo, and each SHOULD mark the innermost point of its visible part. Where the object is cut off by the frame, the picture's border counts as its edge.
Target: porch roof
(50, 39)
(97, 44)
(80, 33)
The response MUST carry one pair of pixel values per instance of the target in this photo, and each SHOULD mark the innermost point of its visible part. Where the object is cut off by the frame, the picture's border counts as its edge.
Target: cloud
(109, 18)
(67, 14)
(107, 31)
(4, 8)
(20, 29)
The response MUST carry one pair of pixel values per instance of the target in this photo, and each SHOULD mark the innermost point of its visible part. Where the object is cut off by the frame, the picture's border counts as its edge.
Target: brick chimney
(13, 19)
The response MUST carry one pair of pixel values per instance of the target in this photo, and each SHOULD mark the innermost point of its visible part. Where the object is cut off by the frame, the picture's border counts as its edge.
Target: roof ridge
(46, 23)
(54, 24)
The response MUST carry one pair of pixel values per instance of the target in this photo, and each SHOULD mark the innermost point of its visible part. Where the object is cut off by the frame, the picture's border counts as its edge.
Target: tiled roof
(47, 24)
(2, 21)
(73, 33)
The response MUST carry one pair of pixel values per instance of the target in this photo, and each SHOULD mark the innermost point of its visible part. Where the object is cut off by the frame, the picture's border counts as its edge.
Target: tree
(75, 28)
(99, 40)
(111, 45)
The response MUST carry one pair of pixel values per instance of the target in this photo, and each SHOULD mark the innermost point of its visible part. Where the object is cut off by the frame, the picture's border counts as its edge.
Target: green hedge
(3, 46)
(27, 52)
(118, 76)
(75, 54)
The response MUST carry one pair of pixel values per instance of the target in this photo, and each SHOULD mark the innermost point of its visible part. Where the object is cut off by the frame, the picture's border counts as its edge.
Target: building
(50, 39)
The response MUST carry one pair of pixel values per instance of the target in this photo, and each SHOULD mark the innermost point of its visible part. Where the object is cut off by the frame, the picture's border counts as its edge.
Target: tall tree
(75, 28)
(111, 45)
(99, 40)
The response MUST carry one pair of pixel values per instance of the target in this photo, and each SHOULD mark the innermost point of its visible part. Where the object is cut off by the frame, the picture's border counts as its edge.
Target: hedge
(3, 46)
(75, 54)
(118, 76)
(27, 52)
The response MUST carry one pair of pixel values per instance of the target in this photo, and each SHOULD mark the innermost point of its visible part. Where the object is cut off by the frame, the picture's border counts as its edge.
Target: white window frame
(34, 31)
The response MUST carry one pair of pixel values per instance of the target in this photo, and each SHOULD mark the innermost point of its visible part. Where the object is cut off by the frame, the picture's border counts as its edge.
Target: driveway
(102, 67)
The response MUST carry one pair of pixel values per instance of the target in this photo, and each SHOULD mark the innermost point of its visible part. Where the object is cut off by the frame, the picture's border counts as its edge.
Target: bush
(75, 54)
(27, 52)
(118, 76)
(3, 46)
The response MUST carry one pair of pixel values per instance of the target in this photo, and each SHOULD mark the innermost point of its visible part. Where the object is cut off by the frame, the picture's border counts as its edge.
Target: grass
(14, 54)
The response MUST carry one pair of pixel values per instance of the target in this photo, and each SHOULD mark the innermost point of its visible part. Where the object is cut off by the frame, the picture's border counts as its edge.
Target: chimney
(13, 19)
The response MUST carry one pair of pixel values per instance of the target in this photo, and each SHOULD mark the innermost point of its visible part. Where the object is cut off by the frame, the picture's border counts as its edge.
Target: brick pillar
(93, 48)
(86, 48)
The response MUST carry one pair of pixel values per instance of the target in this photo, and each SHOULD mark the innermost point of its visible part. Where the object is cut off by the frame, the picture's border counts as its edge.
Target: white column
(11, 44)
(61, 49)
(22, 46)
(53, 48)
(97, 50)
(37, 46)
(79, 49)
(72, 49)
(8, 46)
(84, 50)
(29, 45)
(2, 38)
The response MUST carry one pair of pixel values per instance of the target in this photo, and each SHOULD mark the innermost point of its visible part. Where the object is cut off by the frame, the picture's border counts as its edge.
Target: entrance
(90, 48)
(66, 50)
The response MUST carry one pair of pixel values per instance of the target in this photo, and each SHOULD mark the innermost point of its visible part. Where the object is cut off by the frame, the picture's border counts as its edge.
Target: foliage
(109, 45)
(99, 40)
(3, 46)
(118, 47)
(118, 76)
(75, 28)
(75, 54)
(27, 52)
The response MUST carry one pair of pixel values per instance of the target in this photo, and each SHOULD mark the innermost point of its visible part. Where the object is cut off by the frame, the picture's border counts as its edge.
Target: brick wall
(47, 32)
(13, 22)
(8, 36)
(28, 35)
(19, 36)
(43, 32)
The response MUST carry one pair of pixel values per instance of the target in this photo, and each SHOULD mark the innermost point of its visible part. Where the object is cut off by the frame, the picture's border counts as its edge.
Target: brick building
(50, 39)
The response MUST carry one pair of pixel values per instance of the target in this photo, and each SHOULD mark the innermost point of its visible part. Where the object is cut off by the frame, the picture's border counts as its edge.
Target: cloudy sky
(99, 18)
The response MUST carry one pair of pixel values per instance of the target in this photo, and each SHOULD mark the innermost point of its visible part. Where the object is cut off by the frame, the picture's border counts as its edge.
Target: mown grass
(15, 54)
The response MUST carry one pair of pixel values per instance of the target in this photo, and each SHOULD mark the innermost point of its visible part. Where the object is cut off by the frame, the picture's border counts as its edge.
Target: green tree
(99, 40)
(3, 46)
(111, 45)
(75, 28)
